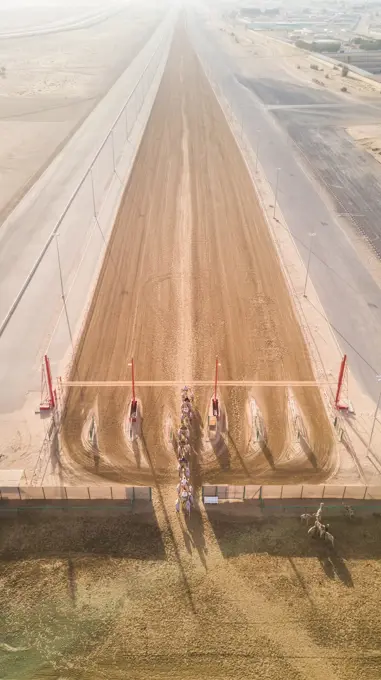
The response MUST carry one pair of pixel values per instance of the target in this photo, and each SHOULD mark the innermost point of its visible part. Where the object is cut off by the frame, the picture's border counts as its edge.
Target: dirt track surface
(191, 272)
(106, 595)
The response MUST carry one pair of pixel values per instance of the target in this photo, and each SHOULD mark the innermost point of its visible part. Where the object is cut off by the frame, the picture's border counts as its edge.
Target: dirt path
(191, 272)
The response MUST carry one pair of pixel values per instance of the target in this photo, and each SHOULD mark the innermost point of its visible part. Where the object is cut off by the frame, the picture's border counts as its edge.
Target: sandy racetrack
(191, 272)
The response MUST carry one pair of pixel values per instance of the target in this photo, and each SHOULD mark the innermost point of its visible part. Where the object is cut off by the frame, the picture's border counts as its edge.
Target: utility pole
(257, 152)
(134, 403)
(312, 234)
(216, 411)
(378, 378)
(276, 190)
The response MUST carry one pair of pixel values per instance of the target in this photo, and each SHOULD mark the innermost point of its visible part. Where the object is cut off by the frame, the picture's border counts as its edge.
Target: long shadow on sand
(195, 538)
(111, 531)
(285, 537)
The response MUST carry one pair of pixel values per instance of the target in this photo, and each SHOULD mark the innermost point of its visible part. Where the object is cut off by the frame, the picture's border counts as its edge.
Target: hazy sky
(36, 4)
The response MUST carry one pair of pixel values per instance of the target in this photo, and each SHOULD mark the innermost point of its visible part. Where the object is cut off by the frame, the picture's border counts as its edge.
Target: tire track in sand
(228, 298)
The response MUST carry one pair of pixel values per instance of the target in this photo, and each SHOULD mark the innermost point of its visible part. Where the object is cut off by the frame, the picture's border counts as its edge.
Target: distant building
(326, 45)
(319, 45)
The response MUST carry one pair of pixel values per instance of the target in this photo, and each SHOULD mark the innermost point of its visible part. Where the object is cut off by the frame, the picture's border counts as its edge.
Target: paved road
(309, 141)
(26, 233)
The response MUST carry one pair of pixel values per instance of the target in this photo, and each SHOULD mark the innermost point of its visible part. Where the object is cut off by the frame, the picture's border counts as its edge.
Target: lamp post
(378, 378)
(257, 152)
(216, 411)
(276, 190)
(312, 234)
(63, 297)
(134, 403)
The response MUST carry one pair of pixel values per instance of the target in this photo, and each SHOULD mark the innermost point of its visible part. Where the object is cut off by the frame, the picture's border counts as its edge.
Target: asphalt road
(26, 240)
(322, 174)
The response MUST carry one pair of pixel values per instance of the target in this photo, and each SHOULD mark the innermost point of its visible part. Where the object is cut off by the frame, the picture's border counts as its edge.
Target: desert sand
(49, 82)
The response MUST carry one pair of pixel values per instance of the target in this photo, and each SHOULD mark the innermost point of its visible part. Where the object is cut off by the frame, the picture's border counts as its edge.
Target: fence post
(345, 488)
(301, 493)
(323, 491)
(19, 490)
(244, 493)
(93, 191)
(136, 104)
(65, 492)
(113, 148)
(126, 115)
(112, 497)
(366, 489)
(88, 492)
(43, 493)
(281, 492)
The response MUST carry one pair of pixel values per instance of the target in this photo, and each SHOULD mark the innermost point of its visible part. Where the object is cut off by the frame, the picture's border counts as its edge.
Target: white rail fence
(261, 493)
(73, 493)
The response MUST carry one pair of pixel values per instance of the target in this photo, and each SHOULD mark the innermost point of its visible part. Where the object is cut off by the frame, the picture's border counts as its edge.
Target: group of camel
(320, 530)
(184, 499)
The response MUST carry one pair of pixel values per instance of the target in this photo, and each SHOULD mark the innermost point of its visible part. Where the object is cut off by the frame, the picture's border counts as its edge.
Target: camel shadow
(267, 454)
(197, 432)
(137, 454)
(72, 586)
(334, 566)
(237, 453)
(308, 452)
(195, 527)
(221, 452)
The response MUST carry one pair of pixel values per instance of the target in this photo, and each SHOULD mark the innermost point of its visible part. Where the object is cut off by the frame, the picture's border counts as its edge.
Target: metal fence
(80, 493)
(290, 492)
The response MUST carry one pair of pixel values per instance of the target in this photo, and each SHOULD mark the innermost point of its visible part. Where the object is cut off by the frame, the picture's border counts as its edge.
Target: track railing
(76, 493)
(290, 492)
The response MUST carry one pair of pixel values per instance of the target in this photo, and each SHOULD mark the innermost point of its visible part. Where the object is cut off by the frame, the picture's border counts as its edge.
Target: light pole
(378, 378)
(257, 152)
(216, 411)
(276, 190)
(134, 403)
(63, 293)
(312, 234)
